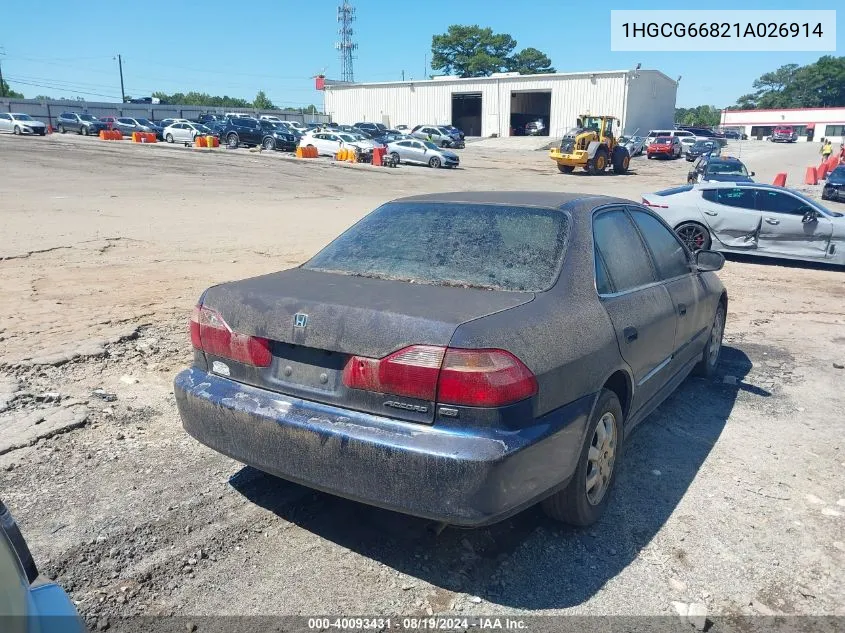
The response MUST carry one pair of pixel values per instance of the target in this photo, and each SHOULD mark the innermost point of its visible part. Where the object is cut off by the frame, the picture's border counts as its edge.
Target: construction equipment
(592, 145)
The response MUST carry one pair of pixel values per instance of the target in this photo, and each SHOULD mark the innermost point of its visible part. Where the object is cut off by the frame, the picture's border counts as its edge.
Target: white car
(184, 132)
(328, 143)
(752, 218)
(687, 142)
(272, 118)
(19, 123)
(296, 126)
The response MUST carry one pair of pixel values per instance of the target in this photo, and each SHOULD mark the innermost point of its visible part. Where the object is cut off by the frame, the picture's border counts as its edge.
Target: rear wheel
(694, 235)
(706, 367)
(84, 130)
(395, 157)
(586, 496)
(434, 162)
(599, 162)
(61, 129)
(565, 169)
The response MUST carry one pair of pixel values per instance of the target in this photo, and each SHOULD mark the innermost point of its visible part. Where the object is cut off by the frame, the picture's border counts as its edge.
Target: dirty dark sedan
(458, 356)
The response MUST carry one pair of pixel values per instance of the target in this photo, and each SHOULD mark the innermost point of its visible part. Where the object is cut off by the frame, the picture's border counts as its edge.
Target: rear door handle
(630, 334)
(772, 221)
(682, 309)
(710, 213)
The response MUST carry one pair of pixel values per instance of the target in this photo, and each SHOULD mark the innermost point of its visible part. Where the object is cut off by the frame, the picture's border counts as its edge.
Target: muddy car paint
(461, 465)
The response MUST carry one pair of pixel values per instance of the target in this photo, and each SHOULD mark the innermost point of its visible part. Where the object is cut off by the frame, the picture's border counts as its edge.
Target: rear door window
(742, 197)
(621, 251)
(669, 254)
(497, 247)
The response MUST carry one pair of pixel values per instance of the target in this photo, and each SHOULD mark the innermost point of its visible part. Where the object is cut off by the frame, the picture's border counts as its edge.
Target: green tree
(470, 51)
(701, 116)
(820, 84)
(9, 93)
(530, 61)
(262, 102)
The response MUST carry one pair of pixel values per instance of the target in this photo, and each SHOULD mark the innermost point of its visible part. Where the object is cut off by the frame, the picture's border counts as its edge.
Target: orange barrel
(102, 135)
(299, 151)
(135, 136)
(212, 141)
(151, 137)
(201, 141)
(378, 154)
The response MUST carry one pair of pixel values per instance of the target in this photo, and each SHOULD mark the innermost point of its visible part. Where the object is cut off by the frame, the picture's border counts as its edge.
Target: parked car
(437, 135)
(18, 123)
(752, 218)
(241, 131)
(185, 132)
(664, 147)
(686, 143)
(167, 122)
(416, 150)
(149, 126)
(634, 144)
(329, 143)
(535, 128)
(373, 129)
(29, 602)
(461, 382)
(84, 124)
(709, 168)
(296, 126)
(783, 134)
(735, 135)
(653, 134)
(390, 138)
(128, 125)
(402, 128)
(702, 147)
(454, 131)
(205, 119)
(272, 118)
(277, 136)
(834, 186)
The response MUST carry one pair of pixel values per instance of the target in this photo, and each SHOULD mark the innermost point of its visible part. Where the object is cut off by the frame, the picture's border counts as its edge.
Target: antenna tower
(345, 17)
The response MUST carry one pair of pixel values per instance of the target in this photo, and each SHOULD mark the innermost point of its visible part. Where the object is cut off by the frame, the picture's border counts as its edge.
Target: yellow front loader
(592, 145)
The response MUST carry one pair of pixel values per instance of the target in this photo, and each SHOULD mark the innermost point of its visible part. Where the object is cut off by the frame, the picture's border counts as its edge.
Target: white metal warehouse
(502, 103)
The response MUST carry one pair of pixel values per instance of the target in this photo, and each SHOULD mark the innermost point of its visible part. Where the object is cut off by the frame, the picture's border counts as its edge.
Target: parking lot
(731, 494)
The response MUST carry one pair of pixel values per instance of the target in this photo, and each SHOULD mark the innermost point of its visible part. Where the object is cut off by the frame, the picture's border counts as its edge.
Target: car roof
(548, 199)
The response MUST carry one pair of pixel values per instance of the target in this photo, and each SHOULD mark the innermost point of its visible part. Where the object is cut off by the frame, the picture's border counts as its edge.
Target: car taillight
(211, 334)
(654, 206)
(469, 377)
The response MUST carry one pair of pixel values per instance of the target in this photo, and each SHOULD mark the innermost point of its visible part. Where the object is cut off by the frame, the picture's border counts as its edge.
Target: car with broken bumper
(458, 356)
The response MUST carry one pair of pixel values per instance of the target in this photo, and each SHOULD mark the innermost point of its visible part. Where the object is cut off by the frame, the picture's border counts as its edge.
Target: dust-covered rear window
(500, 247)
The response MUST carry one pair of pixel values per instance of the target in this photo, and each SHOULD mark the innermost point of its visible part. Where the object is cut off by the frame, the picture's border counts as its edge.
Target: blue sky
(279, 45)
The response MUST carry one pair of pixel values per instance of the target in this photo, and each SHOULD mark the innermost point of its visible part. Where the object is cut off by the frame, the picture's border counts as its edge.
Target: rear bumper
(456, 475)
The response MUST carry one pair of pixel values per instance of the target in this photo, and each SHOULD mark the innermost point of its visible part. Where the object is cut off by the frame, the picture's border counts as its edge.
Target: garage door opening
(530, 113)
(466, 112)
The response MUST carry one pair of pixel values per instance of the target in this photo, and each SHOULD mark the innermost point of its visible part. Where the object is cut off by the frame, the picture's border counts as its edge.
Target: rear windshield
(497, 247)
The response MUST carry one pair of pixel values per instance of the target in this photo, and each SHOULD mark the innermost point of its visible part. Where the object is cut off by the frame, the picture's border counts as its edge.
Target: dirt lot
(732, 494)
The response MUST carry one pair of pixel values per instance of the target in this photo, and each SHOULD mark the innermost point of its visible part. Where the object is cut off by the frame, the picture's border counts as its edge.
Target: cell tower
(345, 17)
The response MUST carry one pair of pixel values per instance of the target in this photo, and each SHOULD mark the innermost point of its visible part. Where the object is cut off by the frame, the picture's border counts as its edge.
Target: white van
(653, 134)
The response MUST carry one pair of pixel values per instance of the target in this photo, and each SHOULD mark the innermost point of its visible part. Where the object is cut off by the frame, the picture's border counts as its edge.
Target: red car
(109, 121)
(666, 147)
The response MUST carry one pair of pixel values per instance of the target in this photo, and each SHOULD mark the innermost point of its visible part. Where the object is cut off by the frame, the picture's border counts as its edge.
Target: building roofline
(727, 111)
(449, 80)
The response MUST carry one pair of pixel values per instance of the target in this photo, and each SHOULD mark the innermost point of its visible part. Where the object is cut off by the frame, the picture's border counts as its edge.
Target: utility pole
(403, 75)
(120, 66)
(346, 16)
(2, 85)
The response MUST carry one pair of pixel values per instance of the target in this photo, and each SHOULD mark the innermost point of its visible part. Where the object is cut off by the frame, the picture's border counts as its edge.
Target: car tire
(649, 156)
(580, 504)
(84, 130)
(232, 141)
(565, 169)
(696, 236)
(61, 129)
(269, 143)
(706, 367)
(395, 157)
(434, 163)
(17, 131)
(169, 138)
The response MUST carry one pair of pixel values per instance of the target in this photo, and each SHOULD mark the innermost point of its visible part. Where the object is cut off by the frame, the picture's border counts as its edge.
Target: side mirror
(709, 261)
(810, 216)
(751, 174)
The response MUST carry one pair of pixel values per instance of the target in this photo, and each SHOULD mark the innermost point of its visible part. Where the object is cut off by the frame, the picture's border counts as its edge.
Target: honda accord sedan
(458, 356)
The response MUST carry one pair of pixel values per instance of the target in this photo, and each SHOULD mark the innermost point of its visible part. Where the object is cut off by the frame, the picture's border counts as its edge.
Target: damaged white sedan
(752, 218)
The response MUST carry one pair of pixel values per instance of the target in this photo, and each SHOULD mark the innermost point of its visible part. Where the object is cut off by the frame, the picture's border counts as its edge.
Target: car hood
(29, 123)
(451, 155)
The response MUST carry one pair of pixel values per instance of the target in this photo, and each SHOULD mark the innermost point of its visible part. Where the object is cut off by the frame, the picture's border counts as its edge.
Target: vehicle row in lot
(752, 218)
(460, 380)
(18, 123)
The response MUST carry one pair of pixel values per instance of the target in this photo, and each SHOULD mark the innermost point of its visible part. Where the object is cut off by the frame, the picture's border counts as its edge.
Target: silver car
(437, 135)
(19, 123)
(422, 152)
(752, 218)
(634, 144)
(185, 132)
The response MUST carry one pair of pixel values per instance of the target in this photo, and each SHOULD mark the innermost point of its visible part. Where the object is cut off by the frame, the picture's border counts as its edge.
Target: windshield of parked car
(726, 168)
(203, 129)
(702, 145)
(430, 145)
(348, 138)
(87, 117)
(497, 247)
(22, 117)
(144, 121)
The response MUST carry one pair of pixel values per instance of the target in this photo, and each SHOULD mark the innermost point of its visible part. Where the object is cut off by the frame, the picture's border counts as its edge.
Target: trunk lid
(340, 316)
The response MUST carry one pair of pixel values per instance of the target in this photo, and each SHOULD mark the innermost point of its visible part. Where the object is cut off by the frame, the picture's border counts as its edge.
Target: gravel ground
(730, 497)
